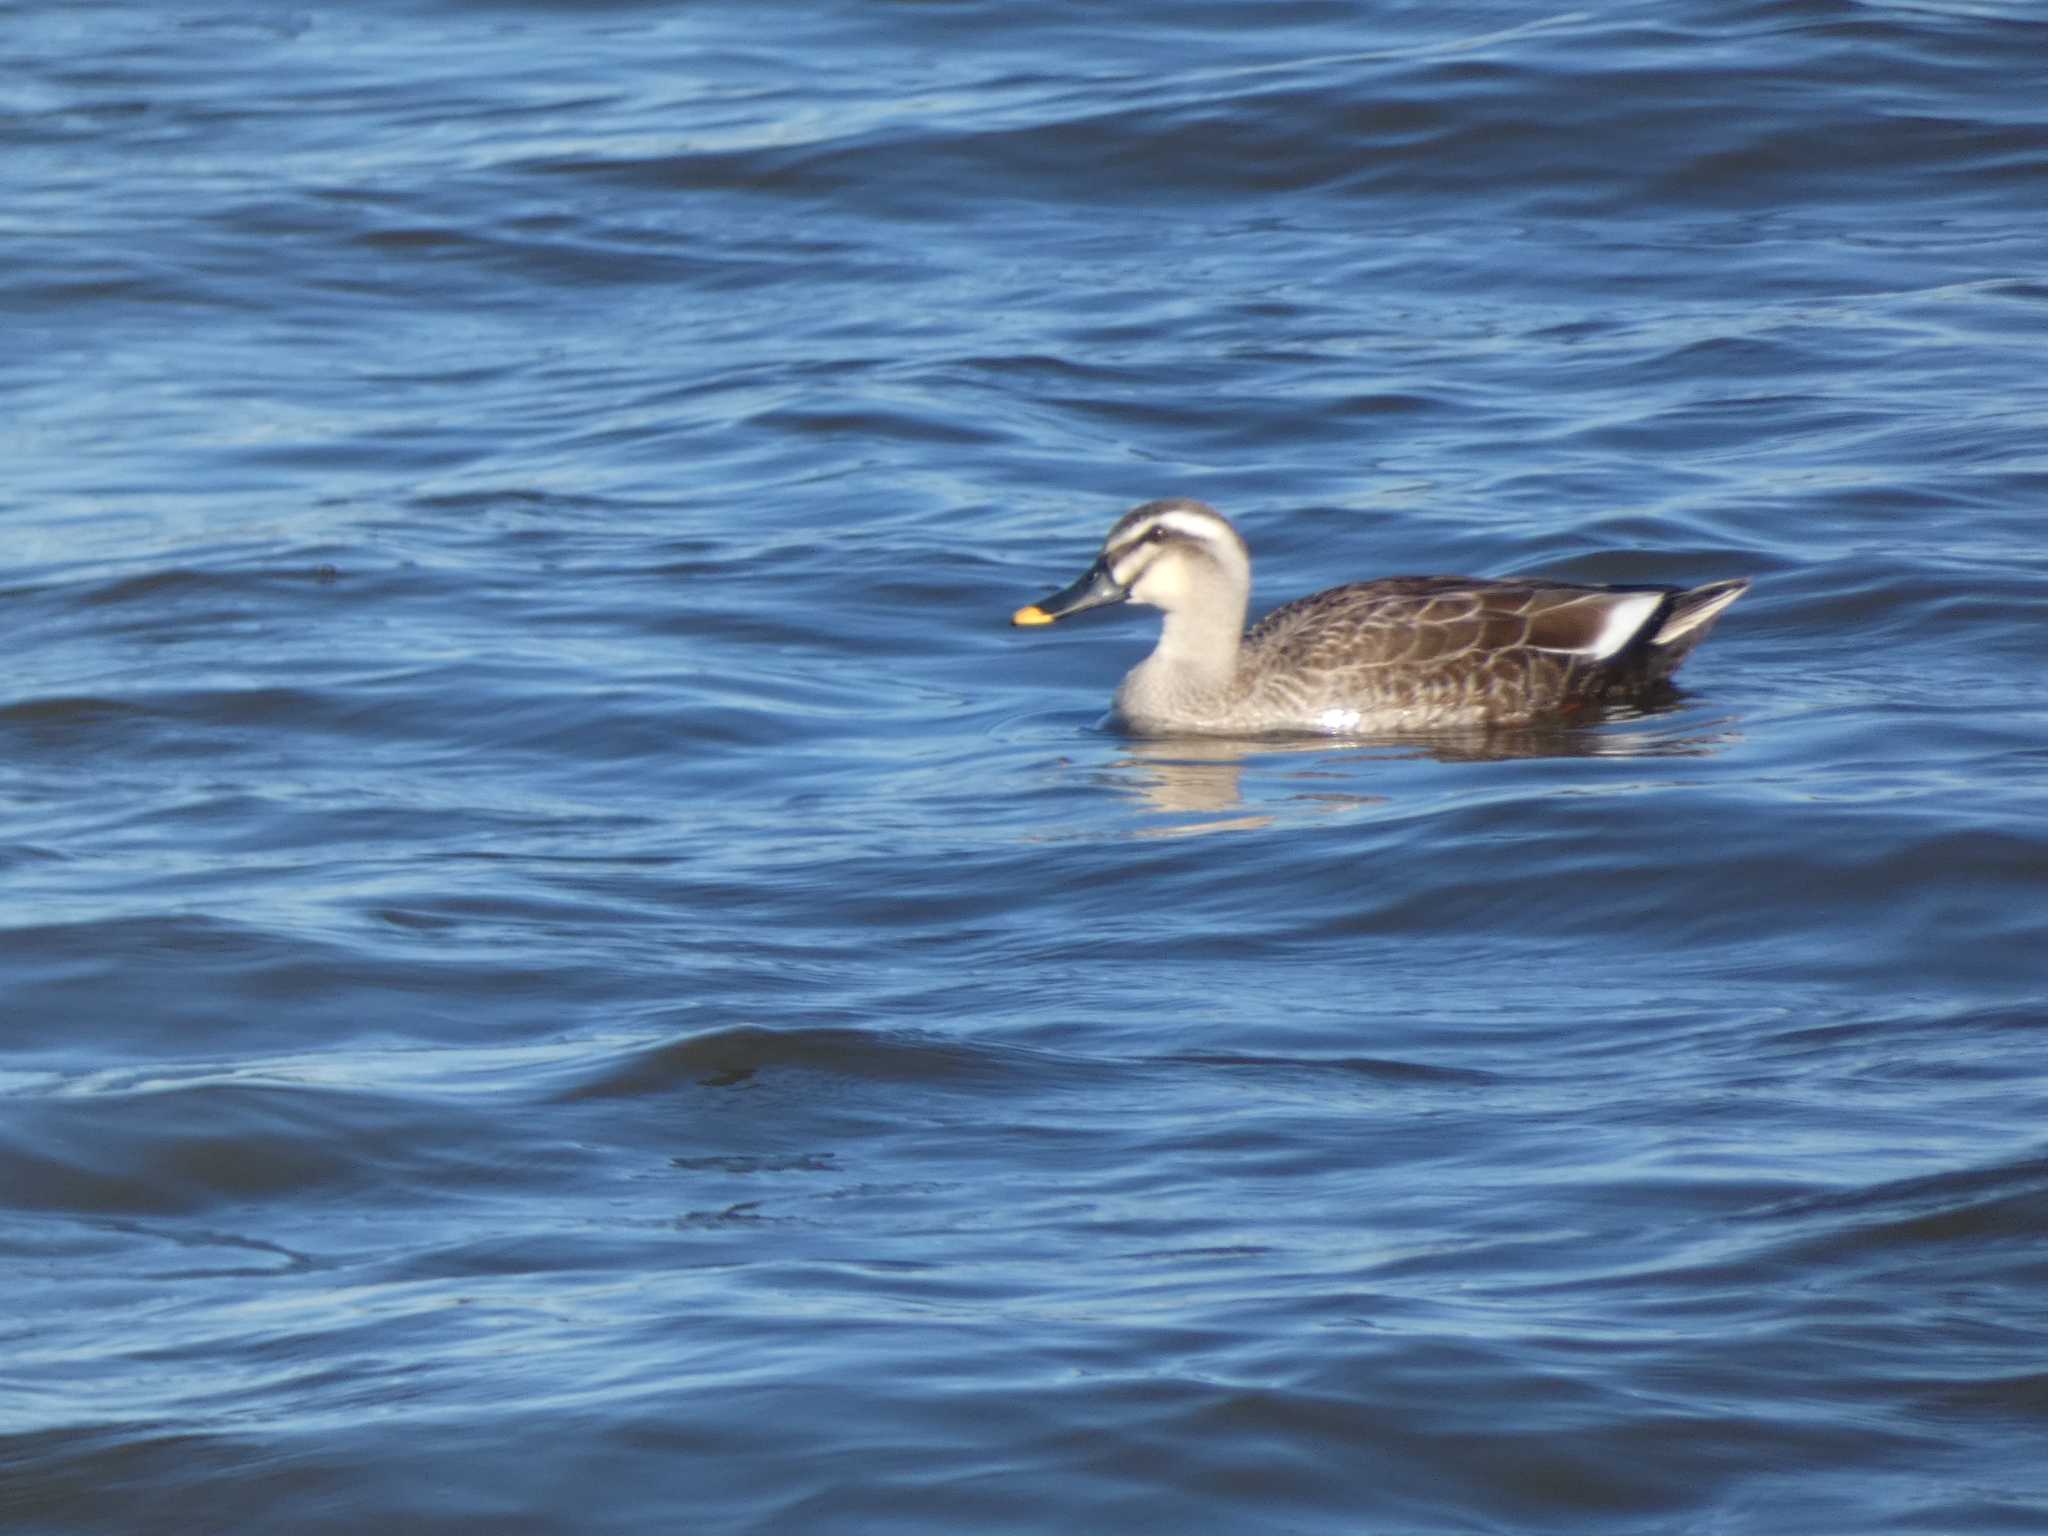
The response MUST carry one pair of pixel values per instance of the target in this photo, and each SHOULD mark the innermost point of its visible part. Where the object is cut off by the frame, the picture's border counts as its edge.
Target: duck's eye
(1156, 534)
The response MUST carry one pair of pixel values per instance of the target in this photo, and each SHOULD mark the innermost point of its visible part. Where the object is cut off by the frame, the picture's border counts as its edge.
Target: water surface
(565, 970)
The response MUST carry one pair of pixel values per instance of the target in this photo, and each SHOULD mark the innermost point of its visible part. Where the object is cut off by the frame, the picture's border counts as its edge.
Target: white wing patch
(1626, 614)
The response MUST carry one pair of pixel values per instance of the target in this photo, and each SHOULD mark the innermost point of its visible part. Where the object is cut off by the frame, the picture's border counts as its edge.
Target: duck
(1394, 656)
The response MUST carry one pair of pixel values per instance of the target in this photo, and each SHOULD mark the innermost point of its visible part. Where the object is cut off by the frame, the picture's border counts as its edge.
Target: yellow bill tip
(1028, 616)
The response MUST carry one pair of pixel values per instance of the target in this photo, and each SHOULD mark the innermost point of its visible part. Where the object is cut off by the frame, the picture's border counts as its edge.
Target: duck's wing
(1504, 647)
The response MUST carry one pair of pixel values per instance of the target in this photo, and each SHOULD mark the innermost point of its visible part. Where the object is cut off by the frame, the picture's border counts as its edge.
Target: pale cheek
(1338, 720)
(1157, 588)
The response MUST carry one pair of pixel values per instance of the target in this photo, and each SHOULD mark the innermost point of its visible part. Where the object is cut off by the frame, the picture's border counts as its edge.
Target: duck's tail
(1685, 624)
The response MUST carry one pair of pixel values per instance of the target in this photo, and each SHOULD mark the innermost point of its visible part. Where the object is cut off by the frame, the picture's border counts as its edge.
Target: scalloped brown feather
(1425, 652)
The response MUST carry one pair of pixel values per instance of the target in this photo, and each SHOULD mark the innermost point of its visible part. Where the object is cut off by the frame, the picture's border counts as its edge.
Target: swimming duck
(1403, 654)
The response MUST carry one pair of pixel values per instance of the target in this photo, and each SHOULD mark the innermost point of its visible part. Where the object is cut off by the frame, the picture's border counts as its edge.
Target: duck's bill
(1094, 590)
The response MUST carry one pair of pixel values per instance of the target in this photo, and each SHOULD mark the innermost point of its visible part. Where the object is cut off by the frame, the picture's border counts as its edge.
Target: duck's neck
(1194, 666)
(1200, 644)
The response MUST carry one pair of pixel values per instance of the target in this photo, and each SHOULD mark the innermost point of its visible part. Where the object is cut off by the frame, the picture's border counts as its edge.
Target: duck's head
(1168, 554)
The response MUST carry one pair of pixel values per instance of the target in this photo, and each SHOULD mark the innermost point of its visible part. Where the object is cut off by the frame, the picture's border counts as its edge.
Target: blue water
(565, 970)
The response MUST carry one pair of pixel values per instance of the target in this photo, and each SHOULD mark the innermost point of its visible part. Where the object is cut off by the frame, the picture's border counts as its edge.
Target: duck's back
(1437, 652)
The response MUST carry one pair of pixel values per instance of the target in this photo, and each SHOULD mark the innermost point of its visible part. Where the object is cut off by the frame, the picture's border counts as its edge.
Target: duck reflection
(1203, 776)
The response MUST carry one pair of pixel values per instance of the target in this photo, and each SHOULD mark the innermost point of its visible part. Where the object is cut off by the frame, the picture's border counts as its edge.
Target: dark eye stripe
(1158, 533)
